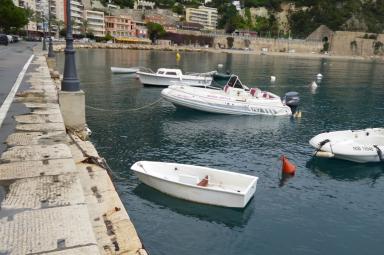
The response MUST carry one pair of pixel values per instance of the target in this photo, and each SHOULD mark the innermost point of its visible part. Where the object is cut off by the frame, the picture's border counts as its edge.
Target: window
(171, 73)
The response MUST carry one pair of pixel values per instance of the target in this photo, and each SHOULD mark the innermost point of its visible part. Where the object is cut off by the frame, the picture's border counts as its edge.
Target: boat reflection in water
(230, 217)
(344, 170)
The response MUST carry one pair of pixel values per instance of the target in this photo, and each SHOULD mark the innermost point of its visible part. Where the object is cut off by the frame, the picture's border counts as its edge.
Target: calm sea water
(328, 207)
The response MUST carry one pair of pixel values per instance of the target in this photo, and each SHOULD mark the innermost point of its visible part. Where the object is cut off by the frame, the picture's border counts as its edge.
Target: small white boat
(362, 146)
(198, 184)
(235, 98)
(127, 70)
(165, 77)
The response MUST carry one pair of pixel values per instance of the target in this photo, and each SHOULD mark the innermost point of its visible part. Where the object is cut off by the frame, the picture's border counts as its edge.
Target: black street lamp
(50, 47)
(70, 81)
(44, 44)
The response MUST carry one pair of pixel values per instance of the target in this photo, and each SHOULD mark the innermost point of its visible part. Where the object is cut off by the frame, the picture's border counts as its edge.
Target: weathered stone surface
(43, 192)
(25, 231)
(47, 110)
(86, 250)
(86, 146)
(37, 152)
(36, 138)
(48, 204)
(40, 105)
(39, 118)
(111, 222)
(41, 127)
(27, 169)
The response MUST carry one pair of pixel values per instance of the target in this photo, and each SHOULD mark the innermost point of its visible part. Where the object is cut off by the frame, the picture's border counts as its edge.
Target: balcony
(74, 2)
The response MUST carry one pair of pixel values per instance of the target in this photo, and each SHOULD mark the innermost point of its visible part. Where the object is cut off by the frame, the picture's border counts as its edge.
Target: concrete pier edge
(56, 196)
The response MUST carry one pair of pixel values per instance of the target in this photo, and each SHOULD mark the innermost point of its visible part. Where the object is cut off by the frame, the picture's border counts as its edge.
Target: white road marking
(8, 101)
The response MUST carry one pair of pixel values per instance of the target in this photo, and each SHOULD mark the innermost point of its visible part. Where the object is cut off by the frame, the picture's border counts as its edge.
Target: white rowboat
(165, 77)
(198, 184)
(131, 70)
(362, 146)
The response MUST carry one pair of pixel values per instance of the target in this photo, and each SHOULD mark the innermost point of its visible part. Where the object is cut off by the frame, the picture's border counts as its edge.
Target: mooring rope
(126, 110)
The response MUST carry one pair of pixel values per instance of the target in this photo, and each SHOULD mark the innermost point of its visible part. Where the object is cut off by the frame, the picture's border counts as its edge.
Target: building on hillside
(237, 5)
(141, 29)
(120, 26)
(190, 26)
(140, 4)
(205, 16)
(156, 18)
(321, 34)
(95, 22)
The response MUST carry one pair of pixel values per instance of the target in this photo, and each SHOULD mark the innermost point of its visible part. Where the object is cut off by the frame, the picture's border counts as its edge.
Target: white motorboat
(126, 70)
(198, 184)
(362, 146)
(165, 77)
(235, 98)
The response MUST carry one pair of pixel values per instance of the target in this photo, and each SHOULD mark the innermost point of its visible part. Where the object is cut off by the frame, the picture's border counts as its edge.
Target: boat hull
(149, 79)
(195, 193)
(122, 70)
(223, 106)
(356, 146)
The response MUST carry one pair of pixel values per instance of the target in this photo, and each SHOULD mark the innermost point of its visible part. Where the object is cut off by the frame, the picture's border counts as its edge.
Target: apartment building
(95, 22)
(77, 15)
(203, 15)
(57, 9)
(120, 26)
(31, 4)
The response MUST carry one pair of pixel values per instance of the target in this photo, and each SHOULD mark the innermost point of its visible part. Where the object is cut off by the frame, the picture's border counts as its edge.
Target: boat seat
(204, 182)
(188, 179)
(254, 92)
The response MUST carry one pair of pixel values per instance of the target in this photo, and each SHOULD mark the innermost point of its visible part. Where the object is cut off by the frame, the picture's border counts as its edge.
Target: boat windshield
(235, 82)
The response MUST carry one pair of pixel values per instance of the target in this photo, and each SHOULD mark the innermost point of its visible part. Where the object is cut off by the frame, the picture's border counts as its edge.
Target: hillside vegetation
(304, 16)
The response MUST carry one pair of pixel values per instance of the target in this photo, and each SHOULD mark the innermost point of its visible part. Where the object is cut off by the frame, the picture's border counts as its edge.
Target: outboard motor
(292, 100)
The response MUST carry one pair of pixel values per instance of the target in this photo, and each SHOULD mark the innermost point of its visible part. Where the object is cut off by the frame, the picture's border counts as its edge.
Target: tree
(59, 24)
(12, 17)
(231, 19)
(84, 27)
(155, 31)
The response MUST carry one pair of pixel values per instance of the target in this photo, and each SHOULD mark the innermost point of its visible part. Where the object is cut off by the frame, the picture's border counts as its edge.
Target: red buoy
(287, 167)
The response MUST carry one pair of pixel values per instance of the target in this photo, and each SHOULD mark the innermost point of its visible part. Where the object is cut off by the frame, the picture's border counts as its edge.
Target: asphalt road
(12, 59)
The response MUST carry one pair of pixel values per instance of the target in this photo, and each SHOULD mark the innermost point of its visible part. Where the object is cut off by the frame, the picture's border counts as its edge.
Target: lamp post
(44, 44)
(70, 81)
(50, 47)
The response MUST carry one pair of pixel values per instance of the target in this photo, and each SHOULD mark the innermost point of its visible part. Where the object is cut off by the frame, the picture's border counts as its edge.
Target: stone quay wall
(55, 195)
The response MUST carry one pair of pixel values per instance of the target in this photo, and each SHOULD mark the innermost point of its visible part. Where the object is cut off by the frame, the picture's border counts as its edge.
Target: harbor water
(329, 207)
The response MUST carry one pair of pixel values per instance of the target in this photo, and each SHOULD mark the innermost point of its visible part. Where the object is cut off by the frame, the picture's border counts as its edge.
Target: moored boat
(221, 76)
(362, 146)
(126, 70)
(235, 98)
(197, 183)
(165, 77)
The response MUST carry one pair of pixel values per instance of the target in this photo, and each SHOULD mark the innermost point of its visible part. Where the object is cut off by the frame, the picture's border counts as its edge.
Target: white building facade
(95, 22)
(205, 16)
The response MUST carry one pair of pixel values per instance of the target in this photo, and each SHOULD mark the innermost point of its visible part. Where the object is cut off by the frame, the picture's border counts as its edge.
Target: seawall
(56, 193)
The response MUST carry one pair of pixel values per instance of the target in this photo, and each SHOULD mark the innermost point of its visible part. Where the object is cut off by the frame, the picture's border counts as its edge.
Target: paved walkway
(52, 202)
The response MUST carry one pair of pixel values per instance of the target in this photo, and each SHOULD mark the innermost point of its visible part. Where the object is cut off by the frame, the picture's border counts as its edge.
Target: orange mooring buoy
(287, 167)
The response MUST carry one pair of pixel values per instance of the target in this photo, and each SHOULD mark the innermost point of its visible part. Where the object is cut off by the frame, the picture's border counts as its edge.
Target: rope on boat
(379, 153)
(126, 110)
(321, 144)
